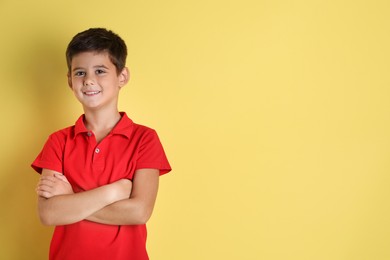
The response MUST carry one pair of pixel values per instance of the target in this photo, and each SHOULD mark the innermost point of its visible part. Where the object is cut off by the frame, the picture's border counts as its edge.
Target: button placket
(98, 160)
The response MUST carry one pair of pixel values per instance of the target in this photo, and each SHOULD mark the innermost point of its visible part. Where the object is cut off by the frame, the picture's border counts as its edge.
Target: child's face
(95, 81)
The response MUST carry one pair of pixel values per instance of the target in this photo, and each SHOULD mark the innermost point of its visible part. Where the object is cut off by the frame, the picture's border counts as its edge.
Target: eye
(79, 73)
(100, 71)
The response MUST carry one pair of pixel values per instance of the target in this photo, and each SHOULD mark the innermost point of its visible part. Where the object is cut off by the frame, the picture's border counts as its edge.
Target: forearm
(58, 205)
(123, 212)
(71, 208)
(138, 208)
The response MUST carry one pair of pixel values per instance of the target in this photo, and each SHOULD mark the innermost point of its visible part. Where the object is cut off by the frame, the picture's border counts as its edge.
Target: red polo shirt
(74, 152)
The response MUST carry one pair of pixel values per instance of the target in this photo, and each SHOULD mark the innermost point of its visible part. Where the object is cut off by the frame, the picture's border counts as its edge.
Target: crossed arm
(120, 203)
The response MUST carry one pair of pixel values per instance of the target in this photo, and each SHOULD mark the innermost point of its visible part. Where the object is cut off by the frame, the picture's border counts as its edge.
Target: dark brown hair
(98, 40)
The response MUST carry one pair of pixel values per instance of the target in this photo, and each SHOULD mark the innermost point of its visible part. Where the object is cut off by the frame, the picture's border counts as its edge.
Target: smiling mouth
(91, 93)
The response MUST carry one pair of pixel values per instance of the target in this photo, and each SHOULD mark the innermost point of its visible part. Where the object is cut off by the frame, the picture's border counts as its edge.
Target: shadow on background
(41, 95)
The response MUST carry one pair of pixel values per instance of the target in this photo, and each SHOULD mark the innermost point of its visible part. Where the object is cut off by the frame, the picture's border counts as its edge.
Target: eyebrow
(95, 67)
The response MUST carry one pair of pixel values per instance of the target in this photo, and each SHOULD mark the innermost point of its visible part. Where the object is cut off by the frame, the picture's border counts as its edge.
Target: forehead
(88, 59)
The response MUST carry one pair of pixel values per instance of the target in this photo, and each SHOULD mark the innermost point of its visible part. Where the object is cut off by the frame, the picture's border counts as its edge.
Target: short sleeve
(51, 156)
(151, 154)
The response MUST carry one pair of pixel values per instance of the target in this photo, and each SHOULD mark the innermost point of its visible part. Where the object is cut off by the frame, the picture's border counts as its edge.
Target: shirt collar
(123, 127)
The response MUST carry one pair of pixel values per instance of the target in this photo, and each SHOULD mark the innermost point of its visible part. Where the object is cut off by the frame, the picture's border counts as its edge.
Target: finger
(46, 182)
(48, 178)
(44, 194)
(61, 177)
(44, 188)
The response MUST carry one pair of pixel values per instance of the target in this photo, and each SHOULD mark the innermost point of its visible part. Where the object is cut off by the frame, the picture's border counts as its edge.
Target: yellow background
(274, 115)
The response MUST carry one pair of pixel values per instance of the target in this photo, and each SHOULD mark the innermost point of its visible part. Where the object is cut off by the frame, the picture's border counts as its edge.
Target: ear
(69, 80)
(124, 77)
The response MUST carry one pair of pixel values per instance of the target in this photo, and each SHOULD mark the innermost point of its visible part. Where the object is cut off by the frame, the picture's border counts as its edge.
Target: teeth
(91, 92)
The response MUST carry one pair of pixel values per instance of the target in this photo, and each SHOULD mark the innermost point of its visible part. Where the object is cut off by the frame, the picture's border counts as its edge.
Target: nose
(89, 80)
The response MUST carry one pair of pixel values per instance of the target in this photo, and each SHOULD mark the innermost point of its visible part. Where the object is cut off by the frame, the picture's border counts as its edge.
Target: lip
(91, 93)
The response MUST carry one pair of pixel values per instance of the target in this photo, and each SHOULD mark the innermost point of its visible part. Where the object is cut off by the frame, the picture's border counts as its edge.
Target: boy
(99, 178)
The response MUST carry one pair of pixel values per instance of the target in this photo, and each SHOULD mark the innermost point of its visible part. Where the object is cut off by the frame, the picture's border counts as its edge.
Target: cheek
(76, 83)
(110, 85)
(75, 87)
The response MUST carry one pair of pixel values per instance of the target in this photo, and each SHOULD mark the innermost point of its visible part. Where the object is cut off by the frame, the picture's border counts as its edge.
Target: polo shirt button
(89, 133)
(97, 150)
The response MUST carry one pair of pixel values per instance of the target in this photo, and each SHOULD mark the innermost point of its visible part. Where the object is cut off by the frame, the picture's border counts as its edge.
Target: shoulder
(142, 128)
(63, 132)
(134, 131)
(62, 135)
(142, 131)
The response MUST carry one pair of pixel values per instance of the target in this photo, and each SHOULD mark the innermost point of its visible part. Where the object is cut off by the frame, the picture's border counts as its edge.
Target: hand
(50, 186)
(122, 189)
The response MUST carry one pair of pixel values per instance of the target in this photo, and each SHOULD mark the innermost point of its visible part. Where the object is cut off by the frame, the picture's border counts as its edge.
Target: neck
(101, 120)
